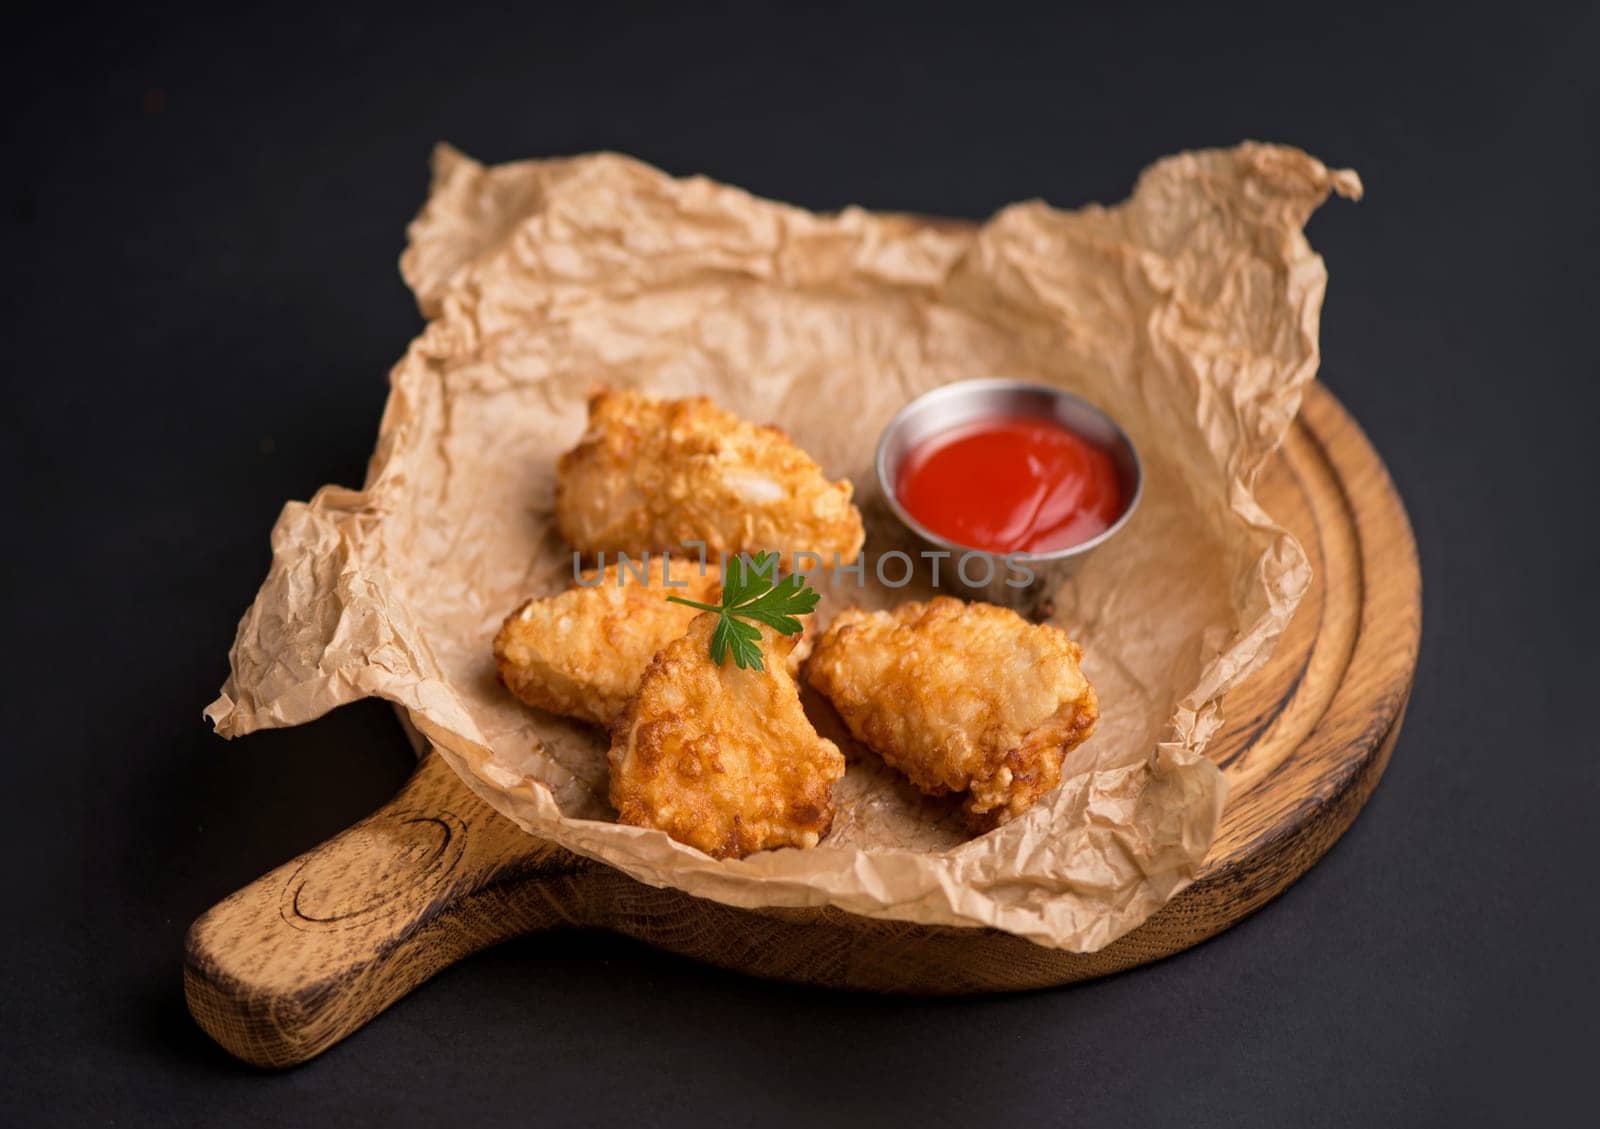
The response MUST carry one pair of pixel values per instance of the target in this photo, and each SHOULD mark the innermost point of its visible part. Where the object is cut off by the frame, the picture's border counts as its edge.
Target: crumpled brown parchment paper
(1190, 312)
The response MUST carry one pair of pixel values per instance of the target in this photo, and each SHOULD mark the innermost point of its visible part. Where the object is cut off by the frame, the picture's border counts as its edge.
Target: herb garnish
(750, 591)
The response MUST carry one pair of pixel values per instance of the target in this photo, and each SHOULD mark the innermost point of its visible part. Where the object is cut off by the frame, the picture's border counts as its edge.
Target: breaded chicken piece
(660, 474)
(721, 758)
(961, 698)
(583, 652)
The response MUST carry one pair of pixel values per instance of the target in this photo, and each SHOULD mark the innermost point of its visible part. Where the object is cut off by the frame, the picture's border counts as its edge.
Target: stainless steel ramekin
(967, 401)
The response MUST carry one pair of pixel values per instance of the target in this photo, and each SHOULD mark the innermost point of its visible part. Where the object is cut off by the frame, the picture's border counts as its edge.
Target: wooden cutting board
(296, 961)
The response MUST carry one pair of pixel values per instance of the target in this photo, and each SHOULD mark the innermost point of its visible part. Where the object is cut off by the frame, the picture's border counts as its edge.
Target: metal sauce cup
(989, 576)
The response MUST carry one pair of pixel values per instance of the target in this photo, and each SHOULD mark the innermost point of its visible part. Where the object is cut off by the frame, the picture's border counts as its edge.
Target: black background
(202, 213)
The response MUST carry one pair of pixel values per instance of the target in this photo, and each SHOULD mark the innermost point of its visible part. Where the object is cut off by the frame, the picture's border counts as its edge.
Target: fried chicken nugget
(583, 652)
(960, 698)
(721, 758)
(661, 474)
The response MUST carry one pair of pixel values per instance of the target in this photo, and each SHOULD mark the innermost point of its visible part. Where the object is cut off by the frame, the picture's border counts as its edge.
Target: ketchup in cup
(1011, 484)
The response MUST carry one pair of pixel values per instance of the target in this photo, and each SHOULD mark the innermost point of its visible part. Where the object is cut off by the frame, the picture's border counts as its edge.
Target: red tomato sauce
(1011, 484)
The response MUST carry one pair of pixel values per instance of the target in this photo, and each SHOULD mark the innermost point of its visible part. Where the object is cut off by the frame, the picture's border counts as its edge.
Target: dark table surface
(201, 225)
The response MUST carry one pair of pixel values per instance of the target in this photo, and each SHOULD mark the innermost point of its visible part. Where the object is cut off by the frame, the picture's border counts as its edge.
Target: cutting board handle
(299, 959)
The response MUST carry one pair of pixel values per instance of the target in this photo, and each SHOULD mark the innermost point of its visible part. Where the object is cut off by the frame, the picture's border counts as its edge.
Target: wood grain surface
(296, 961)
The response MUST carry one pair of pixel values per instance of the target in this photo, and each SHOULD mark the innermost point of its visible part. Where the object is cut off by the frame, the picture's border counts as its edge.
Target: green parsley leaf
(751, 590)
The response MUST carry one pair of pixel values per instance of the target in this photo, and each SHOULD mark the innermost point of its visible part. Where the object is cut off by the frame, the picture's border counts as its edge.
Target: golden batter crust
(662, 474)
(721, 758)
(963, 698)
